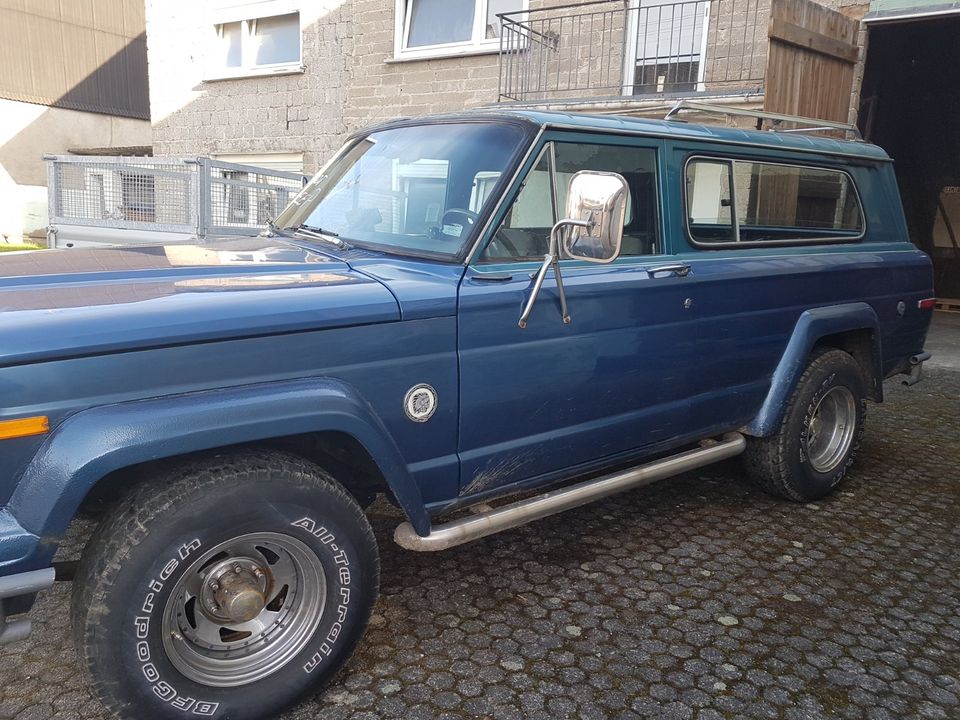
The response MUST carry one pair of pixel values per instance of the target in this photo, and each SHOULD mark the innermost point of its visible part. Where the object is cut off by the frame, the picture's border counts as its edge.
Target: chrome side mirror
(596, 204)
(599, 199)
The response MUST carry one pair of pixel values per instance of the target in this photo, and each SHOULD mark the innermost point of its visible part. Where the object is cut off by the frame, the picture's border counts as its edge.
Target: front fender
(89, 445)
(812, 325)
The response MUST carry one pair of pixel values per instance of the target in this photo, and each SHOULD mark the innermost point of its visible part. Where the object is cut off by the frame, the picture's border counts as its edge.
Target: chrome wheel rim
(244, 609)
(830, 429)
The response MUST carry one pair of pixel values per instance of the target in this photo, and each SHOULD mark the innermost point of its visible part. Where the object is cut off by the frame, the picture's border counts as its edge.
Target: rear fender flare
(813, 325)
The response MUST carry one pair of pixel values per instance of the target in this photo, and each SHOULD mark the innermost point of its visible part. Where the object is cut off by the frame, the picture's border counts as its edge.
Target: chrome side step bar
(14, 586)
(456, 532)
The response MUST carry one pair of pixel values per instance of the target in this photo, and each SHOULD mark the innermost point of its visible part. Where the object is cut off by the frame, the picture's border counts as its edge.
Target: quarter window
(744, 201)
(525, 232)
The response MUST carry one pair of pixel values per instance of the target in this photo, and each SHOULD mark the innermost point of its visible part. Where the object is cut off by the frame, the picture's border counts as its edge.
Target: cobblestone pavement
(695, 598)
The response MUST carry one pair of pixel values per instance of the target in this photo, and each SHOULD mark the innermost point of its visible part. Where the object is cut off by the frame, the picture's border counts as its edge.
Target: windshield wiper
(318, 233)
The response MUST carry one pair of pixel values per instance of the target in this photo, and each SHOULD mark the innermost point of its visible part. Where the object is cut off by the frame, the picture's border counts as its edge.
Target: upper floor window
(254, 39)
(439, 28)
(524, 233)
(666, 41)
(742, 201)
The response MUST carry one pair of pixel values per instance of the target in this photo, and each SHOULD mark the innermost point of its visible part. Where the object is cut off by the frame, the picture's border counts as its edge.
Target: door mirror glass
(596, 204)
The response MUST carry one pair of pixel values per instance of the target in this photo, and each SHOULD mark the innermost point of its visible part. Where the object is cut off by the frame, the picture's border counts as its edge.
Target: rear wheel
(820, 432)
(229, 588)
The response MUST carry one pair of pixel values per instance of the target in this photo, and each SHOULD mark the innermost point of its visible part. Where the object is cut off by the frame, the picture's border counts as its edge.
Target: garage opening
(910, 106)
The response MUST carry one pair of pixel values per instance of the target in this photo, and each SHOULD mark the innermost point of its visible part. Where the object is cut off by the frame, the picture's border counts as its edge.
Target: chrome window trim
(665, 134)
(848, 240)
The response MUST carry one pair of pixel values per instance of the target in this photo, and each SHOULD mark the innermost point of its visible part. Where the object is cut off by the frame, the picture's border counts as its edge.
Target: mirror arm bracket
(551, 259)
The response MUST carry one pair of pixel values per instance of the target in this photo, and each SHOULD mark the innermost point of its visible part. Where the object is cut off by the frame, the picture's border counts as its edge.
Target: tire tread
(766, 458)
(129, 523)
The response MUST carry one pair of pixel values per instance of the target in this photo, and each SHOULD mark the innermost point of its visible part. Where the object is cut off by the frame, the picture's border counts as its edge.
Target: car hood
(62, 303)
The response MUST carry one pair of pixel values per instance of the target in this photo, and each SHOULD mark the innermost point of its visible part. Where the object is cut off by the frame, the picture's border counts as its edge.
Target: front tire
(228, 587)
(819, 434)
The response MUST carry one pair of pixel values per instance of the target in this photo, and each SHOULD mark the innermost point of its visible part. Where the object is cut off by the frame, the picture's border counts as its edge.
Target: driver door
(554, 398)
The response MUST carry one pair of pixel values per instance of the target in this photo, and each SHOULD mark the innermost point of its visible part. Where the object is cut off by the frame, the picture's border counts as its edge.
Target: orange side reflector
(23, 427)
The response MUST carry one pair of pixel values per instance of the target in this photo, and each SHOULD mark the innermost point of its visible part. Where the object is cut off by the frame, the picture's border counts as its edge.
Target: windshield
(419, 189)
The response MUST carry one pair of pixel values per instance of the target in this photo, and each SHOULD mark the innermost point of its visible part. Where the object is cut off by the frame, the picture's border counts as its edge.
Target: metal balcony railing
(646, 48)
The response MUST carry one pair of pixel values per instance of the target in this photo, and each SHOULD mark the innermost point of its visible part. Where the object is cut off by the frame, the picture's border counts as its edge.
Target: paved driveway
(695, 598)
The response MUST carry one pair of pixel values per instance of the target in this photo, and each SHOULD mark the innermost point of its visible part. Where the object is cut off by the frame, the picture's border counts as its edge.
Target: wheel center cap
(235, 591)
(240, 597)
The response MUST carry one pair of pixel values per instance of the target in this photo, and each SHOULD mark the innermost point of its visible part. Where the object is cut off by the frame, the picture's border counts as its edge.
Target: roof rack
(811, 125)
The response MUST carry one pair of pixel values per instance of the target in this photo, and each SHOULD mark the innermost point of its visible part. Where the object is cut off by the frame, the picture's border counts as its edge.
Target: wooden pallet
(947, 305)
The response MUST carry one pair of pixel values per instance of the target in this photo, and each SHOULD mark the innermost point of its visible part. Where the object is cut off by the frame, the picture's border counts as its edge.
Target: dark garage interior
(910, 106)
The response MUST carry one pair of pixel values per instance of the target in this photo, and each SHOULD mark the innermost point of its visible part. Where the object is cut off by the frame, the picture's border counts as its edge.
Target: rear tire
(819, 434)
(228, 587)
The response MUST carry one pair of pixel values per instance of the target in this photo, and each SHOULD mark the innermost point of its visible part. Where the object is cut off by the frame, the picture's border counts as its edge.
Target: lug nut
(237, 569)
(214, 586)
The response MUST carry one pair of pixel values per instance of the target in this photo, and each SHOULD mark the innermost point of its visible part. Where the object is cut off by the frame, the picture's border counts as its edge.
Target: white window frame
(247, 14)
(630, 58)
(479, 44)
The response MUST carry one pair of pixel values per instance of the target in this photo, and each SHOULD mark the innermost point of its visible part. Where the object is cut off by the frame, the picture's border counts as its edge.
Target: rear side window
(740, 201)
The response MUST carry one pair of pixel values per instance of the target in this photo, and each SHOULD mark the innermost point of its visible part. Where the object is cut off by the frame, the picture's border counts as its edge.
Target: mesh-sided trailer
(144, 200)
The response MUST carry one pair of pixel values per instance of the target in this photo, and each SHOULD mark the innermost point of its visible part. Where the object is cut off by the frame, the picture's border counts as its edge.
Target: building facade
(73, 79)
(282, 82)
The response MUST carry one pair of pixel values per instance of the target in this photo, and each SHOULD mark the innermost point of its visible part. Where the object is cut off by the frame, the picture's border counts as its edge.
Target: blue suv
(514, 312)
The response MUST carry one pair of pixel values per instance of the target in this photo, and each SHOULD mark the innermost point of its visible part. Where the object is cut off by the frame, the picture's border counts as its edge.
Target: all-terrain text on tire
(226, 587)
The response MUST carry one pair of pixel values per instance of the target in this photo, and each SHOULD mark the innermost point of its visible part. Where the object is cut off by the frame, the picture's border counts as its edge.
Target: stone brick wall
(381, 89)
(736, 57)
(351, 80)
(290, 113)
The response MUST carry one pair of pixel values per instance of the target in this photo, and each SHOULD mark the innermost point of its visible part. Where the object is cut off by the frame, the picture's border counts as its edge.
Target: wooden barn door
(810, 61)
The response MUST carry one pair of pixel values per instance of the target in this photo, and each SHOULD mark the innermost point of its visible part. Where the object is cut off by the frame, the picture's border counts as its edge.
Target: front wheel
(820, 432)
(229, 587)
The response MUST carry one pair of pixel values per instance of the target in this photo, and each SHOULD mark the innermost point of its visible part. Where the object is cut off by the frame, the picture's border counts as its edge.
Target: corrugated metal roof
(80, 54)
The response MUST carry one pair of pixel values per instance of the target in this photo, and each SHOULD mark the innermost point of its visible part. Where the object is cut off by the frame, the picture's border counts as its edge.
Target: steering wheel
(468, 220)
(500, 239)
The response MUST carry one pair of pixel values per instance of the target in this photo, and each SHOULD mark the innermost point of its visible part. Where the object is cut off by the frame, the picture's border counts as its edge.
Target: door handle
(678, 269)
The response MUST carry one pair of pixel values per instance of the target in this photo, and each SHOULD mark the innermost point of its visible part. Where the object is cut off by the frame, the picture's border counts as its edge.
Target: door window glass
(525, 232)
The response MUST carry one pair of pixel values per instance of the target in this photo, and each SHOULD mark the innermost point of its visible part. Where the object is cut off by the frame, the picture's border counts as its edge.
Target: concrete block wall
(736, 53)
(381, 89)
(300, 113)
(351, 79)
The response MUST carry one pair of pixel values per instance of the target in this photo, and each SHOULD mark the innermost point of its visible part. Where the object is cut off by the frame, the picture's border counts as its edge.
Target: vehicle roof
(806, 142)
